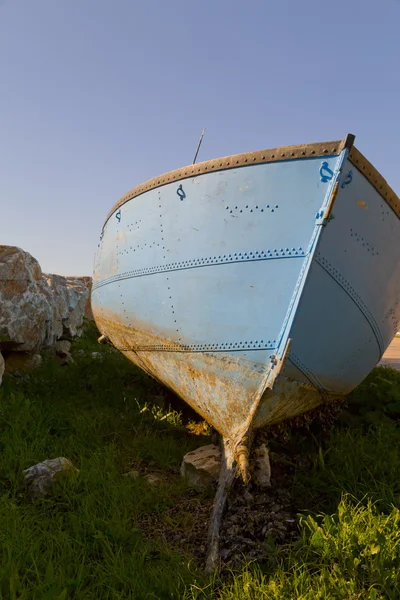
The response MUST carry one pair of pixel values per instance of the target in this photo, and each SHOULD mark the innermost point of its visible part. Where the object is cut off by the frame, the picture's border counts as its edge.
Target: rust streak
(221, 387)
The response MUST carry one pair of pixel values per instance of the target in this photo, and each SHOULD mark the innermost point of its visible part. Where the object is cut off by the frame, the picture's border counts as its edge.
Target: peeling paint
(219, 386)
(362, 204)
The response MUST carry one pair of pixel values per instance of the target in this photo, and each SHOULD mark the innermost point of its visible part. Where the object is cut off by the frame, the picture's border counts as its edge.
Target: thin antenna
(198, 147)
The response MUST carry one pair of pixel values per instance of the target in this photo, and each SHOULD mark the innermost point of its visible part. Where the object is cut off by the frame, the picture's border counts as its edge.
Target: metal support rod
(198, 147)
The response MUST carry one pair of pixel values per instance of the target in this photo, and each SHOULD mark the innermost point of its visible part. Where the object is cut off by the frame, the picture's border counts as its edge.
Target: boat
(256, 286)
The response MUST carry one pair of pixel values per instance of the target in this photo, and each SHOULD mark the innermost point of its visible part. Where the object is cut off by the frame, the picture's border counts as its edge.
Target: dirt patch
(182, 527)
(255, 521)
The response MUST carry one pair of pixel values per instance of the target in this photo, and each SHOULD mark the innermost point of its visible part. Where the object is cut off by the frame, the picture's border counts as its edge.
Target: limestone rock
(1, 367)
(37, 309)
(132, 474)
(21, 362)
(262, 470)
(40, 477)
(25, 313)
(87, 281)
(68, 297)
(62, 349)
(201, 467)
(154, 478)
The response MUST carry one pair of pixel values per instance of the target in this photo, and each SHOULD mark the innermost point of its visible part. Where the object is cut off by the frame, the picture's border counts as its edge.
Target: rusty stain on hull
(213, 384)
(287, 399)
(221, 387)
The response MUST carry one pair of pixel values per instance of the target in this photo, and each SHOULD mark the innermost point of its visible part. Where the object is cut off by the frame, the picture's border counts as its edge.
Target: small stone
(132, 474)
(233, 518)
(62, 348)
(154, 478)
(261, 499)
(201, 467)
(249, 542)
(40, 477)
(249, 498)
(262, 471)
(97, 355)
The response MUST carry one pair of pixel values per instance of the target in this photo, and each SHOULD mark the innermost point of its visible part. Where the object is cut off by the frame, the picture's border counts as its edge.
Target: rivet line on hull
(218, 347)
(313, 379)
(237, 257)
(350, 291)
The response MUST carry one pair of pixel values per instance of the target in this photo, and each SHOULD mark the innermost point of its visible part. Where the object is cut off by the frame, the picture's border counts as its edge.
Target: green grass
(86, 540)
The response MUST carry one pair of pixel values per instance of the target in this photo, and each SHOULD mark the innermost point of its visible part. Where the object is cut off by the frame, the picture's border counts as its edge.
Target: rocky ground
(256, 520)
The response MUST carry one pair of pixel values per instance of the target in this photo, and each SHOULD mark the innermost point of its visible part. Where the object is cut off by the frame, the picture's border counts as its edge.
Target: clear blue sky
(97, 96)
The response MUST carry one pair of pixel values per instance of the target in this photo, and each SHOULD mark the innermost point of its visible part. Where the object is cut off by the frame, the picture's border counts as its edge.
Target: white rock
(202, 466)
(68, 298)
(262, 468)
(37, 309)
(25, 312)
(154, 478)
(40, 477)
(62, 348)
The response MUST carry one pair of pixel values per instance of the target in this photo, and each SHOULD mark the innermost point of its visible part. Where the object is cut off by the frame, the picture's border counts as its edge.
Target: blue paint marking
(325, 172)
(349, 179)
(180, 192)
(118, 216)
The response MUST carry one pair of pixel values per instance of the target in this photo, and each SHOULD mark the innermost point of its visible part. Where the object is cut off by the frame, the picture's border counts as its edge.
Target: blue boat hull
(255, 288)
